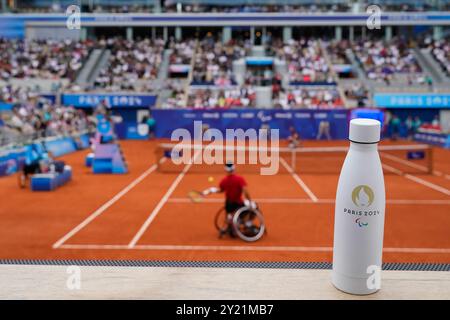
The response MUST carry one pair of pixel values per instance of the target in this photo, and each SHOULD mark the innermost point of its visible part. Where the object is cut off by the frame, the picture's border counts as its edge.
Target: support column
(437, 33)
(363, 32)
(129, 33)
(351, 33)
(226, 34)
(178, 33)
(287, 34)
(165, 34)
(252, 35)
(157, 6)
(153, 33)
(338, 33)
(388, 33)
(83, 34)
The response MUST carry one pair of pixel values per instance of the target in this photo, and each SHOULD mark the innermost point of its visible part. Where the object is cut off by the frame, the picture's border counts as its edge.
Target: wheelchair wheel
(220, 221)
(248, 224)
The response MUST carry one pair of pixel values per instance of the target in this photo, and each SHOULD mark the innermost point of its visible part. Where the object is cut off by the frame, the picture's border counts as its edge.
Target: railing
(15, 139)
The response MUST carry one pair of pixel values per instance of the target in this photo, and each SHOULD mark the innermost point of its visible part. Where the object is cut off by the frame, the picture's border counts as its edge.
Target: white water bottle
(359, 213)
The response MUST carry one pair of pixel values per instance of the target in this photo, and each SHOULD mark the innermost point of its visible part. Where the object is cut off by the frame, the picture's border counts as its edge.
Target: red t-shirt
(233, 185)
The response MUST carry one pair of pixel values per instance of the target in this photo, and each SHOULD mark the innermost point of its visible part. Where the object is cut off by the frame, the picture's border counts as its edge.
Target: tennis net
(208, 159)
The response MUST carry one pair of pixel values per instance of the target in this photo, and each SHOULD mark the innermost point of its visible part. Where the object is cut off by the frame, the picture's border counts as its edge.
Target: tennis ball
(210, 179)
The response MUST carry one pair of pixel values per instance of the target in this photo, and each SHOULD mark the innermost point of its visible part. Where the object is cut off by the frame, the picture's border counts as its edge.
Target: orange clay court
(146, 214)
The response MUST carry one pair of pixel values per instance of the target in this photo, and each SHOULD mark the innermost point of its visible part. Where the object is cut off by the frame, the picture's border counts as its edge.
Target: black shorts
(59, 166)
(231, 207)
(32, 168)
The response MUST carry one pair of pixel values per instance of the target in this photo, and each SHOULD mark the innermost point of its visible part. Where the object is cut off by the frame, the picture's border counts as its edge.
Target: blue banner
(49, 96)
(439, 139)
(306, 122)
(5, 106)
(259, 61)
(89, 100)
(426, 100)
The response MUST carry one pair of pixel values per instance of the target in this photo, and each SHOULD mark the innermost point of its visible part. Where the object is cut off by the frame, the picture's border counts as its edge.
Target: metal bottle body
(359, 220)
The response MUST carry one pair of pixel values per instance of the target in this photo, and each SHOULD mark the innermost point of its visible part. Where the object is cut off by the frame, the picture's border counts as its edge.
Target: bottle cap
(364, 130)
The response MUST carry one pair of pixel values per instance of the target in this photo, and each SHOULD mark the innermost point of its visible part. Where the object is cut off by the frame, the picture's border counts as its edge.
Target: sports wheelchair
(247, 222)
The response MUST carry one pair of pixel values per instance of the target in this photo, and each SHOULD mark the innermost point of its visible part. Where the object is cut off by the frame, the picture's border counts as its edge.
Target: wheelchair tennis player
(239, 217)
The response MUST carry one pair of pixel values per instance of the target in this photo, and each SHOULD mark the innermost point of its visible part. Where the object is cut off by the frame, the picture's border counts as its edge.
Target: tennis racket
(196, 196)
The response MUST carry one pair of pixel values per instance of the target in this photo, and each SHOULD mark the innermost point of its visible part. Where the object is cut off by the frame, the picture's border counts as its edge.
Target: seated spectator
(440, 49)
(228, 98)
(309, 98)
(132, 63)
(384, 61)
(42, 119)
(45, 59)
(305, 61)
(213, 63)
(182, 51)
(357, 92)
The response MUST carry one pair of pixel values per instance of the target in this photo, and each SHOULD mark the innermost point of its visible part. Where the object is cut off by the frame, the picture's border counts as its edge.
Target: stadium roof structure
(236, 19)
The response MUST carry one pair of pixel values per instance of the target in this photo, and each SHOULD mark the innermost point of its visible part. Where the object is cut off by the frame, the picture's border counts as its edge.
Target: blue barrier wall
(129, 128)
(60, 147)
(84, 142)
(376, 114)
(306, 122)
(10, 160)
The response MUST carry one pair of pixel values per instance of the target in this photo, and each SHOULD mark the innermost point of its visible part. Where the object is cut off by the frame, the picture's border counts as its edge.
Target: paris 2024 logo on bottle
(362, 198)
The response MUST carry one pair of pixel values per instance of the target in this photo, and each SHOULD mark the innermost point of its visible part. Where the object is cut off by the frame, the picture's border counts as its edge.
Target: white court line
(428, 184)
(417, 250)
(414, 165)
(418, 180)
(408, 163)
(161, 202)
(320, 201)
(441, 174)
(105, 206)
(237, 248)
(392, 169)
(258, 200)
(299, 181)
(400, 201)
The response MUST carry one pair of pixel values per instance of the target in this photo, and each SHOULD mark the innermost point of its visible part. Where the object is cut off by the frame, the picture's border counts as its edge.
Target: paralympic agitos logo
(362, 197)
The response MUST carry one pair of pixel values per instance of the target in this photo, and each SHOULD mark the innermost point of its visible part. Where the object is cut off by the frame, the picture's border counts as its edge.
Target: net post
(293, 160)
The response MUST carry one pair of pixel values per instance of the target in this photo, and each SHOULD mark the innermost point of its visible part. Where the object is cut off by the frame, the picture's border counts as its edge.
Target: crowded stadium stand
(108, 90)
(392, 63)
(221, 67)
(132, 65)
